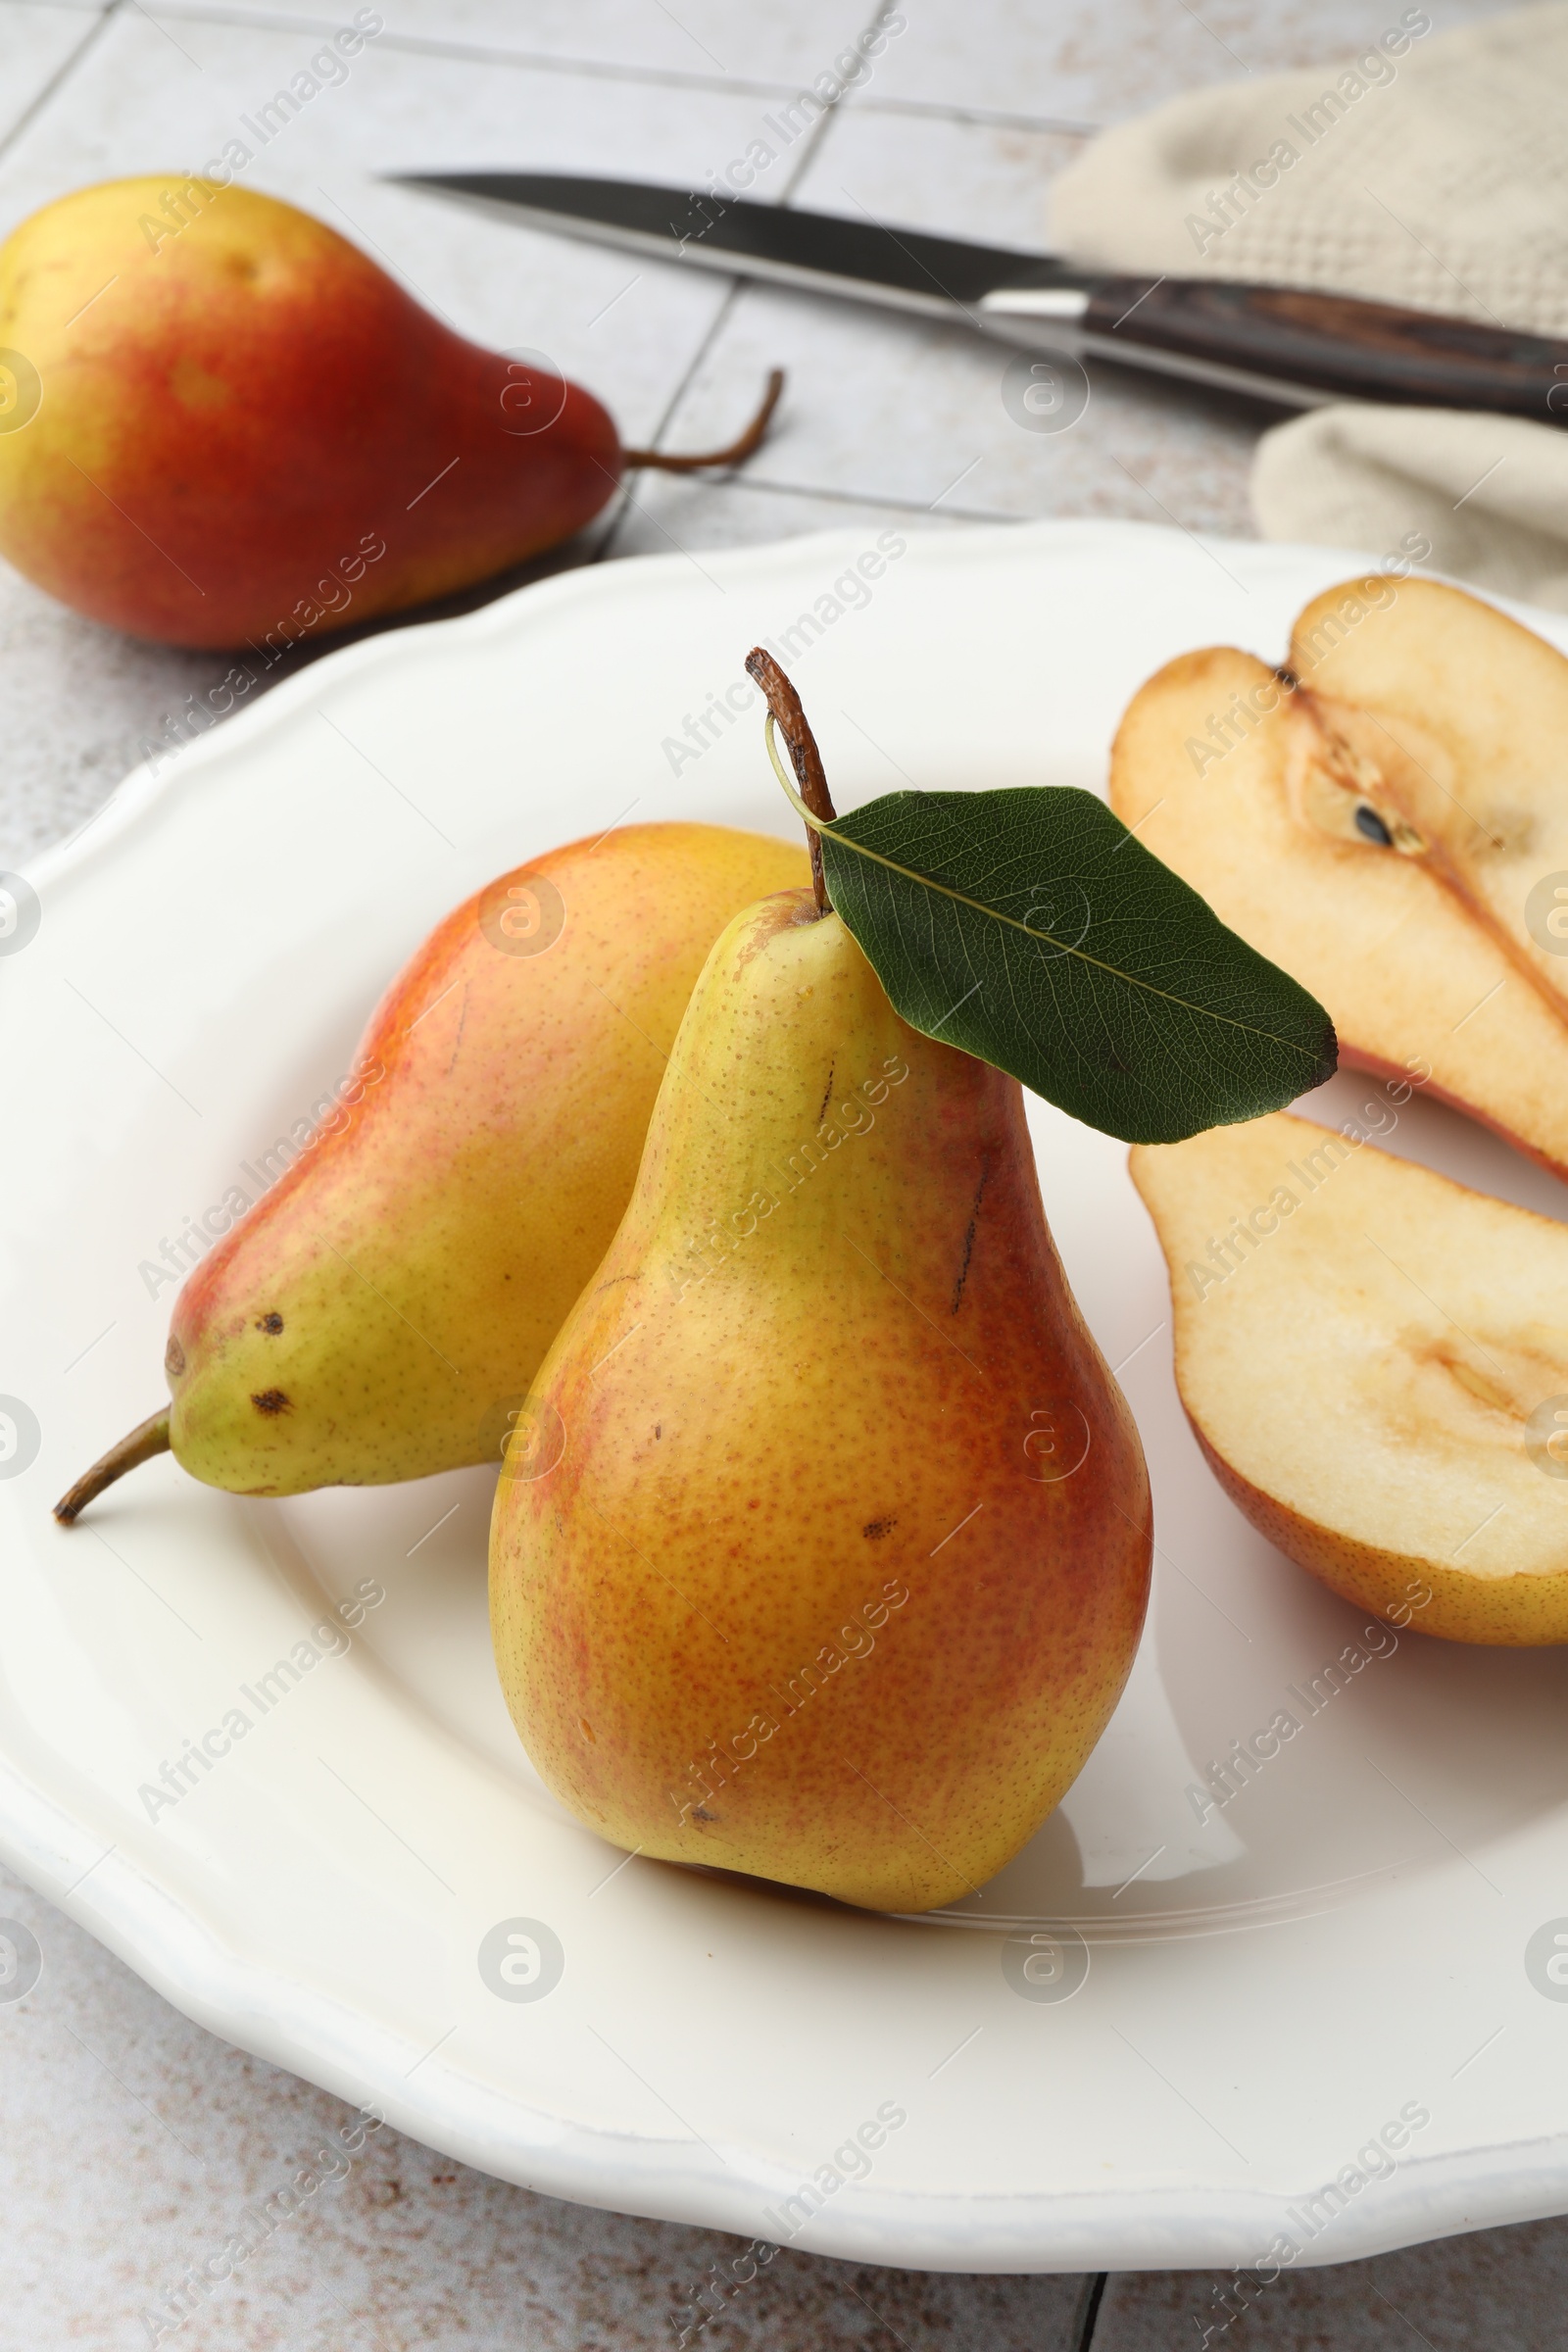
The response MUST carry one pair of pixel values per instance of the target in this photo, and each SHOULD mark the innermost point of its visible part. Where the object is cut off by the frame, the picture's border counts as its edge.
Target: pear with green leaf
(822, 1547)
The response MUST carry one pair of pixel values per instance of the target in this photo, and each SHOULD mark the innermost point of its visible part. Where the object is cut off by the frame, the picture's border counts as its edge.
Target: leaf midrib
(994, 914)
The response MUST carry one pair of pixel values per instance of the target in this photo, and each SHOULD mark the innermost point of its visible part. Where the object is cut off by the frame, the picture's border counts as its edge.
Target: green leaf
(1031, 928)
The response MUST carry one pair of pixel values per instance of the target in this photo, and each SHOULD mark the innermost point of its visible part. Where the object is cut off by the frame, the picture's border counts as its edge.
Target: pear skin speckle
(849, 1626)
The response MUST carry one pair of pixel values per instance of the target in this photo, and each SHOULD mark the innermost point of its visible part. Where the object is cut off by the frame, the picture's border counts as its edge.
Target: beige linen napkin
(1429, 168)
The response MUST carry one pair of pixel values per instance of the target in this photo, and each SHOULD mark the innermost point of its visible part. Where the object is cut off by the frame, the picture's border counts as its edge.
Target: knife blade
(1286, 345)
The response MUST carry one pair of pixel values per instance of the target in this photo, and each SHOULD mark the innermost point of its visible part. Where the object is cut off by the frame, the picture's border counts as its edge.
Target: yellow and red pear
(1408, 1440)
(1448, 717)
(1384, 817)
(822, 1549)
(222, 423)
(382, 1308)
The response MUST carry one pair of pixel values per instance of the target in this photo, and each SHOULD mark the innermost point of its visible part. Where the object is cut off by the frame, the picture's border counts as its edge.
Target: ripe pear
(822, 1549)
(1381, 843)
(223, 422)
(1449, 719)
(379, 1314)
(1410, 1445)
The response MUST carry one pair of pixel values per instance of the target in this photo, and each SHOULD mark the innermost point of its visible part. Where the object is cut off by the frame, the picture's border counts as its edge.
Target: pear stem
(735, 455)
(148, 1438)
(804, 757)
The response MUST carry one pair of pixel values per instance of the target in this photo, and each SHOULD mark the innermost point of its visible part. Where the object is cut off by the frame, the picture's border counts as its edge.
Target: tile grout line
(913, 507)
(987, 117)
(812, 141)
(663, 76)
(411, 44)
(1086, 2322)
(819, 132)
(732, 292)
(811, 146)
(60, 77)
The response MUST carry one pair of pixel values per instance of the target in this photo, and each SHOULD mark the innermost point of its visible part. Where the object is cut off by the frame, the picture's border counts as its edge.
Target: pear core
(1373, 1358)
(1381, 816)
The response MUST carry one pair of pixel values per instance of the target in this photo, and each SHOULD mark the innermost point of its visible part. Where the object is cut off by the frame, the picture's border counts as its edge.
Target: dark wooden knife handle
(1331, 344)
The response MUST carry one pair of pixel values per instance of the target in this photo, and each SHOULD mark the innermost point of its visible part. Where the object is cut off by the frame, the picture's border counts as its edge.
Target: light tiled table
(129, 2137)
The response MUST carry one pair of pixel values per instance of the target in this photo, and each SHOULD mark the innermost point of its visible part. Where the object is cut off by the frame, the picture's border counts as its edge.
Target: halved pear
(1376, 818)
(1452, 721)
(1375, 1361)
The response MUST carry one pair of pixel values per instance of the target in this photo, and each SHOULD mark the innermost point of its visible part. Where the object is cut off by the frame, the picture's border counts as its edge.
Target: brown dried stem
(804, 757)
(736, 454)
(148, 1438)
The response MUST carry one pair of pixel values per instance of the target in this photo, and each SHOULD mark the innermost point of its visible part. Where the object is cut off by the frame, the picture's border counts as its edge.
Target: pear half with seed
(1387, 816)
(1375, 1361)
(1452, 721)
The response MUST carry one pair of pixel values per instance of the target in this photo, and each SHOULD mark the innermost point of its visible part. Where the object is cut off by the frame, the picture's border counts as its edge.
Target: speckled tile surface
(38, 45)
(1084, 64)
(133, 2138)
(714, 40)
(133, 2142)
(1504, 2289)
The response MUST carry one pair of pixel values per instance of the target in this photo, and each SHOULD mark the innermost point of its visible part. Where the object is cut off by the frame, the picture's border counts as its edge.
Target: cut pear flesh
(1375, 1360)
(1453, 720)
(1388, 820)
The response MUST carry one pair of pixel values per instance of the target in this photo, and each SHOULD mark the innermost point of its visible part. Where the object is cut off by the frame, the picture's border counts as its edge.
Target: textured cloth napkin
(1427, 169)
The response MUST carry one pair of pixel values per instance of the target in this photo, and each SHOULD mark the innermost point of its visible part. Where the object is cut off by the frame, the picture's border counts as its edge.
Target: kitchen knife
(1276, 343)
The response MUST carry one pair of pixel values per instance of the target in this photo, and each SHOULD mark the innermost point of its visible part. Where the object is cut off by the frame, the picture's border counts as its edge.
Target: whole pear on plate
(380, 1312)
(822, 1549)
(1386, 819)
(220, 423)
(1406, 1438)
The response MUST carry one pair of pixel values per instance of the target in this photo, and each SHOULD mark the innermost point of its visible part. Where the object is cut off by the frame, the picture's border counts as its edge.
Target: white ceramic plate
(1347, 1942)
